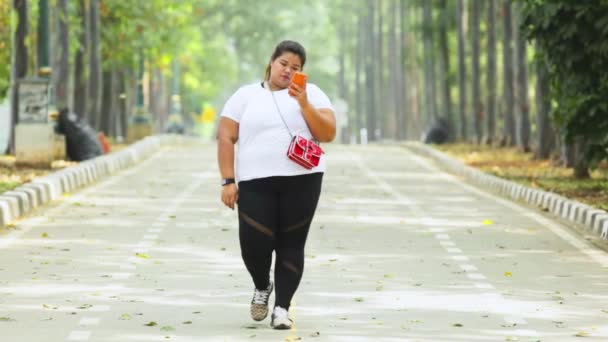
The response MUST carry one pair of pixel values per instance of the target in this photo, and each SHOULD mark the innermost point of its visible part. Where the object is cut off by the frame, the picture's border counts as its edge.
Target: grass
(520, 167)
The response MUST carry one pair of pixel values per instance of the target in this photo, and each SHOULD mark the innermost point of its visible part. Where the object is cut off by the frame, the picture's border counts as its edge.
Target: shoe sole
(282, 327)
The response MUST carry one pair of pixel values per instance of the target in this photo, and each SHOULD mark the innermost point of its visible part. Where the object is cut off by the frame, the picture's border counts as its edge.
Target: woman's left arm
(321, 122)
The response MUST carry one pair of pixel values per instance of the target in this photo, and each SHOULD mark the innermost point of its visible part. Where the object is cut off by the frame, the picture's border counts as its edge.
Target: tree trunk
(392, 123)
(445, 68)
(462, 71)
(581, 166)
(429, 64)
(61, 74)
(403, 117)
(379, 73)
(476, 95)
(359, 58)
(522, 85)
(369, 74)
(508, 95)
(95, 86)
(546, 136)
(491, 78)
(104, 122)
(19, 68)
(80, 74)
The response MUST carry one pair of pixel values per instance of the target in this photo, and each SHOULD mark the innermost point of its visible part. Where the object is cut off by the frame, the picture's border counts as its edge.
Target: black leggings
(275, 215)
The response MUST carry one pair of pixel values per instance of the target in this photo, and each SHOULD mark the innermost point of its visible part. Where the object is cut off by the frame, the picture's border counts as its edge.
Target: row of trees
(111, 59)
(498, 71)
(399, 64)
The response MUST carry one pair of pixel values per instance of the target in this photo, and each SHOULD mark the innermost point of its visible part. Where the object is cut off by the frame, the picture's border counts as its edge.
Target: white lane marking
(150, 236)
(526, 333)
(447, 243)
(79, 335)
(558, 229)
(468, 268)
(476, 276)
(99, 308)
(135, 260)
(88, 321)
(442, 236)
(484, 286)
(155, 230)
(515, 320)
(121, 276)
(436, 230)
(454, 250)
(460, 257)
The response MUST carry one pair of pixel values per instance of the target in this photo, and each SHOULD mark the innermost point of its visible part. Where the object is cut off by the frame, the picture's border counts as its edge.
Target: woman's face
(283, 68)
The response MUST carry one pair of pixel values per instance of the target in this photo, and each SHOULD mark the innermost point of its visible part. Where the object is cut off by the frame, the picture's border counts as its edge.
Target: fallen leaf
(187, 322)
(582, 334)
(142, 255)
(488, 222)
(508, 274)
(125, 317)
(6, 319)
(151, 324)
(358, 299)
(458, 325)
(45, 235)
(167, 328)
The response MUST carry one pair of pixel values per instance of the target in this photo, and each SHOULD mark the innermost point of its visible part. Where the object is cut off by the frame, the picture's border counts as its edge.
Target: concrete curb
(594, 220)
(25, 198)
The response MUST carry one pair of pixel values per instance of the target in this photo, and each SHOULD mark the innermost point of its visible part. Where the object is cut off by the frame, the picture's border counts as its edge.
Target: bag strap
(281, 115)
(278, 109)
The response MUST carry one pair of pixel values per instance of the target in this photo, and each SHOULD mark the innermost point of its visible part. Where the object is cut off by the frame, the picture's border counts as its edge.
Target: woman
(276, 197)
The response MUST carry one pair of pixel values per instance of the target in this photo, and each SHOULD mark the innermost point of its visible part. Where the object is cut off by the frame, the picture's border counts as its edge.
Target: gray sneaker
(259, 303)
(280, 319)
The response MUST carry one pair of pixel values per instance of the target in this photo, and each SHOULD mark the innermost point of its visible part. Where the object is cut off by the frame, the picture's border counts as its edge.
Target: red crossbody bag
(302, 151)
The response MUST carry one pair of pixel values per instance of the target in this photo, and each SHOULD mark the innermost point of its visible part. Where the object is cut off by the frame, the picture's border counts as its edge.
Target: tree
(429, 64)
(570, 36)
(462, 71)
(546, 138)
(61, 73)
(476, 94)
(509, 138)
(491, 78)
(522, 85)
(446, 83)
(19, 69)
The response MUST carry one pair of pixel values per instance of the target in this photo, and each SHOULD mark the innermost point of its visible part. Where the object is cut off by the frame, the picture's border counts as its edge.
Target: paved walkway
(398, 251)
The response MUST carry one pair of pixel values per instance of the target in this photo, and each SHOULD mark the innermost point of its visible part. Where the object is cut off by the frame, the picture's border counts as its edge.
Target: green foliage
(571, 38)
(5, 47)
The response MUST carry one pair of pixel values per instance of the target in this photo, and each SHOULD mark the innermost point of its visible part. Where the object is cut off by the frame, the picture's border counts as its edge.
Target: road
(398, 251)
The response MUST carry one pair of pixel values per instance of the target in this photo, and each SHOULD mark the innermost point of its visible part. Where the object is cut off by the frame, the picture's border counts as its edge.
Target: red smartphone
(299, 78)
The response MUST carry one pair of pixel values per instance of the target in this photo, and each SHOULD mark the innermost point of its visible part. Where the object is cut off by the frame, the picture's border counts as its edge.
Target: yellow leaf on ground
(488, 222)
(45, 235)
(142, 255)
(508, 274)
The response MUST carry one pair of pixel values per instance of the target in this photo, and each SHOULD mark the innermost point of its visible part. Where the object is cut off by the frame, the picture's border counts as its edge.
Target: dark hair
(287, 46)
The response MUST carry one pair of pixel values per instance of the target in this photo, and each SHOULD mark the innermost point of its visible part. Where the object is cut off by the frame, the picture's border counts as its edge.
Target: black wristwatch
(227, 181)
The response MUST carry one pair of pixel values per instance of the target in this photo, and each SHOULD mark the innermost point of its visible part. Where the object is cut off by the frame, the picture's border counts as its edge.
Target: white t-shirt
(263, 138)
